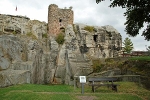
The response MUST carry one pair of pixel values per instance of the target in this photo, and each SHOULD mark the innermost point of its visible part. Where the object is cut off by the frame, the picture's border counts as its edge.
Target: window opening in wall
(60, 20)
(95, 38)
(62, 29)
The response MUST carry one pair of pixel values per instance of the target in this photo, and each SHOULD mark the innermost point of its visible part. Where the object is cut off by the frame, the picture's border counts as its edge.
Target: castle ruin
(58, 19)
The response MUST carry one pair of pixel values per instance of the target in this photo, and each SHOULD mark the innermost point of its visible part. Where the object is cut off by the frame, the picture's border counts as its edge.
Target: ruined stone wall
(58, 18)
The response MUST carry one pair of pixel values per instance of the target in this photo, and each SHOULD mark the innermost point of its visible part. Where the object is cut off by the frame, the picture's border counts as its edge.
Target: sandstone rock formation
(42, 60)
(22, 25)
(103, 42)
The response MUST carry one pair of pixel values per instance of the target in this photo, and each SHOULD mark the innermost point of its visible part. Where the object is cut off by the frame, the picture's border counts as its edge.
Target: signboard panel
(82, 79)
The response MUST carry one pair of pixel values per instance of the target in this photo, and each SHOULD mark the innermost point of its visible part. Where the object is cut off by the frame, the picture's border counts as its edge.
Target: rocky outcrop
(21, 54)
(44, 61)
(13, 77)
(70, 60)
(22, 25)
(102, 42)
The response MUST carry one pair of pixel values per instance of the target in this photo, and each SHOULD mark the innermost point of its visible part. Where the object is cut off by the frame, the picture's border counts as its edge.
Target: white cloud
(85, 11)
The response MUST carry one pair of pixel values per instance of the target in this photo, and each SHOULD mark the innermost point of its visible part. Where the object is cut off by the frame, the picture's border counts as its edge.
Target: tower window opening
(60, 20)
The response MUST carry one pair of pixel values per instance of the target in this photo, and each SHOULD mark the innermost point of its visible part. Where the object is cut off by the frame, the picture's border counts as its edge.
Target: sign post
(82, 81)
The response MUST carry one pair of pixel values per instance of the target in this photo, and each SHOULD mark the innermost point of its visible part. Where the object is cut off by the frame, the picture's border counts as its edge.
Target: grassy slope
(126, 91)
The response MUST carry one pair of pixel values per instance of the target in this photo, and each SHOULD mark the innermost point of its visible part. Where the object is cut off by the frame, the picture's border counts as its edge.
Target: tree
(128, 45)
(137, 14)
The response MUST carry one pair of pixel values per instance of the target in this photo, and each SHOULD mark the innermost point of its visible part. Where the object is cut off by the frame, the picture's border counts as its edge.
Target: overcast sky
(85, 11)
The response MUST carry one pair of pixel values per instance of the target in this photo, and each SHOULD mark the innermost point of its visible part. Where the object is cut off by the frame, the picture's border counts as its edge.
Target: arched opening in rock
(62, 29)
(95, 38)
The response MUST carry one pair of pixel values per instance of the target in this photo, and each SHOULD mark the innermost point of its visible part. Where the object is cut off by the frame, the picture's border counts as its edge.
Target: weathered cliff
(39, 60)
(22, 25)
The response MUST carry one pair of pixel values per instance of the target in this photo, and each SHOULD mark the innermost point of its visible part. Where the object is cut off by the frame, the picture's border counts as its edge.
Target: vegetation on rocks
(14, 32)
(44, 35)
(60, 38)
(134, 65)
(97, 65)
(89, 28)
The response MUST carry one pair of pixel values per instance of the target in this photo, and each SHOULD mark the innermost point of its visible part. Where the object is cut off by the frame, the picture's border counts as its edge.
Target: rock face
(13, 77)
(22, 54)
(102, 42)
(22, 25)
(44, 61)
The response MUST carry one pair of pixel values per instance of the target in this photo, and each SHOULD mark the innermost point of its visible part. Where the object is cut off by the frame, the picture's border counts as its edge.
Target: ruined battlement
(58, 19)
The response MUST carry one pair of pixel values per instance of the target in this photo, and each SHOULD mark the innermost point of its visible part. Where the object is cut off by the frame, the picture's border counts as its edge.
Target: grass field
(141, 58)
(126, 91)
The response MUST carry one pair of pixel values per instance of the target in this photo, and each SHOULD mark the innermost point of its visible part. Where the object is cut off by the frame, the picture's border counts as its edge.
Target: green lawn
(126, 91)
(141, 58)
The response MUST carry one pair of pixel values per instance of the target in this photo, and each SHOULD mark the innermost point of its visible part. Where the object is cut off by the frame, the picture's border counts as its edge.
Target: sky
(85, 11)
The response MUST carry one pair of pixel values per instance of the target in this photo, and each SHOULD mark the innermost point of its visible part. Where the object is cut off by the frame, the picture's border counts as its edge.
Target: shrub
(89, 28)
(14, 32)
(97, 65)
(60, 38)
(44, 35)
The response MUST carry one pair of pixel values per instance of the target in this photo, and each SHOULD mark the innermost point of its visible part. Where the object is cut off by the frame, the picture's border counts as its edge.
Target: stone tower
(58, 19)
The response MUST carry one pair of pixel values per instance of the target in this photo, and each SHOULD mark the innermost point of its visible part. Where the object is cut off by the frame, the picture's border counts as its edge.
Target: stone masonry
(58, 19)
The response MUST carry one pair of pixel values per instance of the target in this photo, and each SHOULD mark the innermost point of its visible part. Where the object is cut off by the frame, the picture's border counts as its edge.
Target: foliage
(97, 65)
(29, 34)
(44, 35)
(14, 32)
(137, 14)
(60, 38)
(140, 66)
(128, 45)
(89, 28)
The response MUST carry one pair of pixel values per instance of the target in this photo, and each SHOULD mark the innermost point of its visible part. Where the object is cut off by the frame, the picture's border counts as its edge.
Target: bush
(60, 38)
(89, 28)
(97, 65)
(44, 35)
(14, 32)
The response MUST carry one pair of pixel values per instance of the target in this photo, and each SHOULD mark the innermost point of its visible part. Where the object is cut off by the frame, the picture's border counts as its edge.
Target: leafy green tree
(128, 45)
(137, 14)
